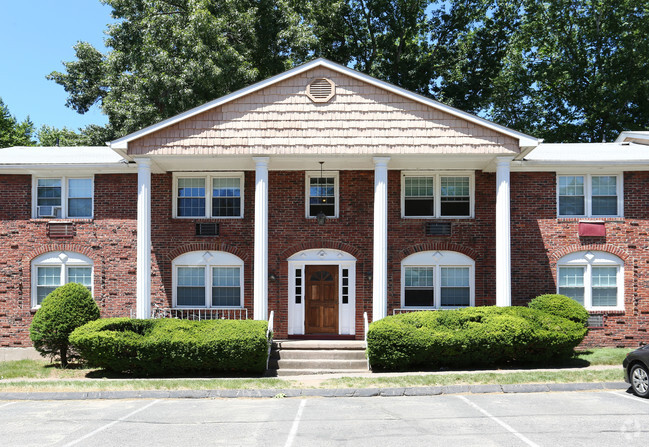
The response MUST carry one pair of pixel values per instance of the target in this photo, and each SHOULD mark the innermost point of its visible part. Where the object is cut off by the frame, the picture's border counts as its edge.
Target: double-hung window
(321, 194)
(210, 279)
(63, 197)
(587, 195)
(441, 279)
(436, 195)
(215, 195)
(593, 279)
(55, 269)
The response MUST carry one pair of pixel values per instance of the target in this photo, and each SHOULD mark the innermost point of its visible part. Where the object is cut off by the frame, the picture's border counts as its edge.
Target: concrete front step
(322, 354)
(321, 364)
(300, 357)
(319, 344)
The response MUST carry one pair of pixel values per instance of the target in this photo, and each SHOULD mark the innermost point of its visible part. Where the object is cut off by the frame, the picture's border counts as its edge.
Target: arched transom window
(55, 269)
(207, 279)
(437, 279)
(592, 278)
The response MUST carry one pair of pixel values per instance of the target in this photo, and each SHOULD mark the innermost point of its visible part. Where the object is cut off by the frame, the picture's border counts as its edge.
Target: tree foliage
(566, 70)
(12, 132)
(61, 312)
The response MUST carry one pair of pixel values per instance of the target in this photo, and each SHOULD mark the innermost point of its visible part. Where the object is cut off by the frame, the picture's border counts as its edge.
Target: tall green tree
(563, 70)
(12, 132)
(168, 56)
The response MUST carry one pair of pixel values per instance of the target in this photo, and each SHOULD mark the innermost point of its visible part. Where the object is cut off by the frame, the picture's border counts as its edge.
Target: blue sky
(37, 36)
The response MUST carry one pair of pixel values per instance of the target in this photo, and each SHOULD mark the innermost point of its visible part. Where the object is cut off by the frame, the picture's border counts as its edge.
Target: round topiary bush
(561, 306)
(61, 312)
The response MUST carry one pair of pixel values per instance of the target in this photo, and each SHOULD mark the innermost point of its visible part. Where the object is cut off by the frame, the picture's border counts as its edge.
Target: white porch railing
(366, 327)
(225, 313)
(269, 335)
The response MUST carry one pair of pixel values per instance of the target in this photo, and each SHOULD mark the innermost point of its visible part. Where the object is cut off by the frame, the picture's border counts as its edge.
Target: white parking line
(296, 423)
(110, 424)
(633, 398)
(7, 404)
(498, 421)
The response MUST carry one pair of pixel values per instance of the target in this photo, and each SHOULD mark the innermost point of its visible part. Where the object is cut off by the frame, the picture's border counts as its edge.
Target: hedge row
(475, 336)
(170, 346)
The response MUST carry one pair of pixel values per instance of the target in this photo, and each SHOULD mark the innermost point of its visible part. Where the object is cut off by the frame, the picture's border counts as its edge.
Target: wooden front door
(321, 299)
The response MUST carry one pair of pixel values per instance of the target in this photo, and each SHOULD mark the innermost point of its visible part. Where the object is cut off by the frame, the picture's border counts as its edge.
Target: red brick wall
(108, 239)
(539, 240)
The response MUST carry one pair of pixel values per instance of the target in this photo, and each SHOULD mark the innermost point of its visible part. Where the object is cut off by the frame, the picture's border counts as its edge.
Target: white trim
(588, 259)
(524, 140)
(324, 256)
(208, 176)
(307, 191)
(64, 195)
(437, 260)
(437, 194)
(208, 260)
(588, 193)
(63, 259)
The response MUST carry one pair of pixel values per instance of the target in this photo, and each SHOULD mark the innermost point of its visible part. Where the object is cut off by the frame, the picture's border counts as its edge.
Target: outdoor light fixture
(322, 217)
(272, 277)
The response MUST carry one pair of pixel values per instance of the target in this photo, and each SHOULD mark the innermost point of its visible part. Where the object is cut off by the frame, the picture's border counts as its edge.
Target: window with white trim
(218, 195)
(436, 195)
(63, 197)
(437, 280)
(210, 279)
(54, 269)
(321, 194)
(594, 279)
(586, 195)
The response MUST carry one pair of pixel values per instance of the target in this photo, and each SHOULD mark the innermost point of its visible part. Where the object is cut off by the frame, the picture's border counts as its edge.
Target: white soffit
(587, 154)
(524, 140)
(61, 157)
(639, 136)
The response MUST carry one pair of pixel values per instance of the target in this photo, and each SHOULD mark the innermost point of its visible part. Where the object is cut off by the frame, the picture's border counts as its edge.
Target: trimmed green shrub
(469, 337)
(61, 312)
(561, 306)
(170, 346)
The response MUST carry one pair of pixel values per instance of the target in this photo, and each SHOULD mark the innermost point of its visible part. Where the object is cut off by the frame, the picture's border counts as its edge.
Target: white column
(503, 235)
(380, 260)
(143, 290)
(260, 285)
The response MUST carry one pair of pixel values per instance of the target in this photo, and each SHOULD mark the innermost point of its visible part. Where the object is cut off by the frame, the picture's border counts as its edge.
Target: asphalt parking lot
(601, 418)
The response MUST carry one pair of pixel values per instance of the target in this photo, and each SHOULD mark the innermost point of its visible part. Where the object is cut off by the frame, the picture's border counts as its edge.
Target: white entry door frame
(346, 288)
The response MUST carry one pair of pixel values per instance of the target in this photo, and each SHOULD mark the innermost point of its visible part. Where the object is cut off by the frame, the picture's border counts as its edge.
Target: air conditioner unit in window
(49, 211)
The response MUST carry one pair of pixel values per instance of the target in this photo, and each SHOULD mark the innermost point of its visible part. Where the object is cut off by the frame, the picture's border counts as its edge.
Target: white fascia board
(539, 166)
(86, 168)
(524, 140)
(633, 136)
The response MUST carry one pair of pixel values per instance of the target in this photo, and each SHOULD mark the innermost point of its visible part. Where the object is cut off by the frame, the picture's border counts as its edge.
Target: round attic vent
(321, 90)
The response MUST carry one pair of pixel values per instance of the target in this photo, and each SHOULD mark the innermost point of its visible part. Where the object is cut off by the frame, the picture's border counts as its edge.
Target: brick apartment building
(322, 194)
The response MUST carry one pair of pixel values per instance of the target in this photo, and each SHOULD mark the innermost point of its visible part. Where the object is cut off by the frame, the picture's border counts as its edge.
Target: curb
(340, 392)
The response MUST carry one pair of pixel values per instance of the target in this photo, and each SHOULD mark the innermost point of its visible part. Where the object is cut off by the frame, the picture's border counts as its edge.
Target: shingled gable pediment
(365, 116)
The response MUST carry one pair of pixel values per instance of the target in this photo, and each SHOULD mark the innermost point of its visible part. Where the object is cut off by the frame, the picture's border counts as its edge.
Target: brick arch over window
(207, 246)
(612, 249)
(81, 249)
(437, 246)
(325, 243)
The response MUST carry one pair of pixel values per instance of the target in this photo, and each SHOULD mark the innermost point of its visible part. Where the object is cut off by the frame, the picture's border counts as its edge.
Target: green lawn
(40, 375)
